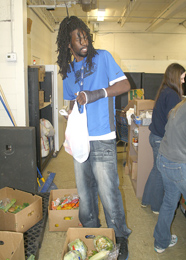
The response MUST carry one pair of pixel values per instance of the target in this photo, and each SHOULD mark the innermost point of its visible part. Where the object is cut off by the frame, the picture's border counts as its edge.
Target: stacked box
(11, 246)
(142, 105)
(41, 72)
(136, 94)
(24, 219)
(41, 98)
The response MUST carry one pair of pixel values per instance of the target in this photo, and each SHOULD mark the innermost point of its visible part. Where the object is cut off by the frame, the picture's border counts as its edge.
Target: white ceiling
(152, 13)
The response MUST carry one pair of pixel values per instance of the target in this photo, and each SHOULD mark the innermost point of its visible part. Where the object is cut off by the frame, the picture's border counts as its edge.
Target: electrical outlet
(11, 56)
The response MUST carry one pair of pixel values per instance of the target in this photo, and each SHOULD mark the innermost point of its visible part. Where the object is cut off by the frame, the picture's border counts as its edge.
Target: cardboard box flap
(130, 105)
(20, 196)
(11, 246)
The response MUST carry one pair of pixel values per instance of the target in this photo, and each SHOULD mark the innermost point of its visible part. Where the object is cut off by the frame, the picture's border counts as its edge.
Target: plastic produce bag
(72, 255)
(80, 246)
(76, 135)
(103, 243)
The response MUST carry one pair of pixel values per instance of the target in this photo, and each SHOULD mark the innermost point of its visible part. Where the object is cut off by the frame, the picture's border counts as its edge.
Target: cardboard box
(41, 98)
(11, 246)
(57, 221)
(136, 94)
(41, 72)
(29, 25)
(142, 105)
(26, 218)
(129, 105)
(133, 167)
(81, 233)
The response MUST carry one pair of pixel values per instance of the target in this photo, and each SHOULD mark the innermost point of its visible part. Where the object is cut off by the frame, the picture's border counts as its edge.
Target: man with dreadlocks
(93, 78)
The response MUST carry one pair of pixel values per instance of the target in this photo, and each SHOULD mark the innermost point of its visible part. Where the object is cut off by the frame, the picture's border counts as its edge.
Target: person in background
(94, 78)
(168, 96)
(172, 166)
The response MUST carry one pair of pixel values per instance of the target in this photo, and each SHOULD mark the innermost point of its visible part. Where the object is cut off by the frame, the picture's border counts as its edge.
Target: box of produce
(63, 209)
(19, 210)
(90, 243)
(11, 246)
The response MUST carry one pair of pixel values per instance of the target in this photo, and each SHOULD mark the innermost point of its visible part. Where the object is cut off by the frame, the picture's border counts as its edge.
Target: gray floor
(140, 221)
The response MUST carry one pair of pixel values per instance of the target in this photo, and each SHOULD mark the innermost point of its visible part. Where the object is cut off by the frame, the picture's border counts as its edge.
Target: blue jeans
(174, 180)
(154, 191)
(98, 175)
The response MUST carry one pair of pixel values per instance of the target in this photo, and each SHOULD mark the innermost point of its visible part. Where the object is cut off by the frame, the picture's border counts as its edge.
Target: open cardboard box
(24, 219)
(142, 105)
(82, 233)
(11, 246)
(61, 220)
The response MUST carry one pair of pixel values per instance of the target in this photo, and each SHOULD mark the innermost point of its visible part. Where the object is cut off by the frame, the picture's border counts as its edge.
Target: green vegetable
(31, 257)
(19, 208)
(72, 255)
(9, 205)
(100, 256)
(103, 243)
(80, 246)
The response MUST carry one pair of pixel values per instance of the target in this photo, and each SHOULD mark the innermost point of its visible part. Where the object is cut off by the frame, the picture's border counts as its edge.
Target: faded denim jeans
(98, 175)
(154, 191)
(174, 180)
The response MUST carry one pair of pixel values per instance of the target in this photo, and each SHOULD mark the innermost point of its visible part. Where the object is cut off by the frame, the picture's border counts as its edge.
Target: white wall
(39, 41)
(14, 38)
(13, 75)
(167, 43)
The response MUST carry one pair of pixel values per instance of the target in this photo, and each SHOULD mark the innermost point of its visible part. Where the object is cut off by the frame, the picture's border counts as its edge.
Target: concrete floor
(141, 221)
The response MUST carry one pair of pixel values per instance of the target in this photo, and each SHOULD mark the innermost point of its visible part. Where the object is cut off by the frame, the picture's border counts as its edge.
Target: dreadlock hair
(172, 79)
(67, 26)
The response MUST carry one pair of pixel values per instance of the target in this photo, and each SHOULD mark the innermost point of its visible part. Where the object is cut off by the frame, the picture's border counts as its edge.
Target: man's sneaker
(173, 242)
(156, 212)
(123, 251)
(143, 205)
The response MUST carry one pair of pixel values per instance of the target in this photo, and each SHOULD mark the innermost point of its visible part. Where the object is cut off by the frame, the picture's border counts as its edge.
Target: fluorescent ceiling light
(100, 14)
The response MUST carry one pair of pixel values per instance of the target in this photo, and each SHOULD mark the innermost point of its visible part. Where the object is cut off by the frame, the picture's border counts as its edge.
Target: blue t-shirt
(104, 72)
(167, 100)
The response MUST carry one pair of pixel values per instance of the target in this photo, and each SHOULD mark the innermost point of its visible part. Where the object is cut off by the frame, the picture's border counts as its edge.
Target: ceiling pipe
(173, 8)
(126, 11)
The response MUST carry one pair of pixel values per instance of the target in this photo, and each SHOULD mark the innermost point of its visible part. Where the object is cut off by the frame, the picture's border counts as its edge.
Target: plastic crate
(34, 236)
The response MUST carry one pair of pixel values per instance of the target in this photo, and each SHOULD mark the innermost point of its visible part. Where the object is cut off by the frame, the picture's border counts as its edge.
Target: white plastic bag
(76, 135)
(48, 126)
(44, 146)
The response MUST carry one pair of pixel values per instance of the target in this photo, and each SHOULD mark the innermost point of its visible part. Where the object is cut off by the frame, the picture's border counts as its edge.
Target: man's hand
(86, 97)
(81, 98)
